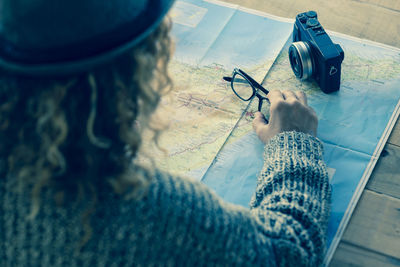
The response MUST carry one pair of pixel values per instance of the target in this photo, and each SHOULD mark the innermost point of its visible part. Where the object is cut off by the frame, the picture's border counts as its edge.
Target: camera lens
(300, 58)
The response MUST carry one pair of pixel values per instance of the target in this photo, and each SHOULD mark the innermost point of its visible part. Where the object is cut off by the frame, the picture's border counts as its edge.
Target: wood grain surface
(372, 237)
(348, 254)
(376, 20)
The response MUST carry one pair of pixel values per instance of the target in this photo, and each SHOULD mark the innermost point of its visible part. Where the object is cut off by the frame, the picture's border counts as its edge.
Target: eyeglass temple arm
(256, 84)
(259, 105)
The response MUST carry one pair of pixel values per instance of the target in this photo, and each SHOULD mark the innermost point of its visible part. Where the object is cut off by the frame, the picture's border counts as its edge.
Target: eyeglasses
(246, 87)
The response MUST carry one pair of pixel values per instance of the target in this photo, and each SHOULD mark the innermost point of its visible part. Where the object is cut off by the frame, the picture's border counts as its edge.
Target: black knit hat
(56, 37)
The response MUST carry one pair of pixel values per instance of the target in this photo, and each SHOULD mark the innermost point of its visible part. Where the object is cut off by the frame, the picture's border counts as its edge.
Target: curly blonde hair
(77, 133)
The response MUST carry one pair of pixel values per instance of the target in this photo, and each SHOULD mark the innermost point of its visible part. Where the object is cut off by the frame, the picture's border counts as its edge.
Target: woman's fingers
(275, 96)
(260, 126)
(301, 96)
(259, 121)
(288, 112)
(289, 95)
(292, 95)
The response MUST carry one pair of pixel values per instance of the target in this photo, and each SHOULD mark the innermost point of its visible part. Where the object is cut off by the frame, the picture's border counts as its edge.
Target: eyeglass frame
(253, 85)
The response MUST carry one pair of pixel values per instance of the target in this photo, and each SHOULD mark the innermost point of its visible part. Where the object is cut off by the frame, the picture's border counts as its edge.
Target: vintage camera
(313, 54)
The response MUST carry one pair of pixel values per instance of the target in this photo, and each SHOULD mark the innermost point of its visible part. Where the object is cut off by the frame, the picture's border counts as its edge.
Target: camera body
(313, 54)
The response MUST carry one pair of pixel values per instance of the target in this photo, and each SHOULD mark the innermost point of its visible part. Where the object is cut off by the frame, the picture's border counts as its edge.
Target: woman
(73, 91)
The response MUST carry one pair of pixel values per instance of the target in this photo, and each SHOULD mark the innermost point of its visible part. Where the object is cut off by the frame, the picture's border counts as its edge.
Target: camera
(313, 54)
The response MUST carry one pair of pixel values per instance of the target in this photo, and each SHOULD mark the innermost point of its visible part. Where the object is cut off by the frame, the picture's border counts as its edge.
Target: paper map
(210, 137)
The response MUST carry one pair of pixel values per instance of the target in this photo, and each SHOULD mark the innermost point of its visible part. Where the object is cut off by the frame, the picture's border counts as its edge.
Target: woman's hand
(288, 112)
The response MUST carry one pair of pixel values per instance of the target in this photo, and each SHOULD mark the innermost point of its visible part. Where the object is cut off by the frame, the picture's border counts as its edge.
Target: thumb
(259, 122)
(261, 127)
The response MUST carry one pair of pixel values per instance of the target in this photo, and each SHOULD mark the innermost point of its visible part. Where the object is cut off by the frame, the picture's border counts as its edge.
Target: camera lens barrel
(300, 58)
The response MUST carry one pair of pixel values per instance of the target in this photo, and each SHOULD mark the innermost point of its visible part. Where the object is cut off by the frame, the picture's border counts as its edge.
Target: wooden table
(372, 237)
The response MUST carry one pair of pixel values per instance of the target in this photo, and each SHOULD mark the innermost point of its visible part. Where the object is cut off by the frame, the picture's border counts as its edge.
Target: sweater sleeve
(292, 198)
(181, 222)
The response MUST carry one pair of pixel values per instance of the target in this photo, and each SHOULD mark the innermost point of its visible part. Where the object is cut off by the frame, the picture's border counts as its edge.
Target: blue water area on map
(234, 172)
(192, 43)
(369, 50)
(233, 175)
(357, 115)
(248, 44)
(222, 37)
(349, 168)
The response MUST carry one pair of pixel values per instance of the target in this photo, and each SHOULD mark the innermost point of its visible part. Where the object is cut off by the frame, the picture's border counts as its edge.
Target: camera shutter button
(312, 22)
(302, 18)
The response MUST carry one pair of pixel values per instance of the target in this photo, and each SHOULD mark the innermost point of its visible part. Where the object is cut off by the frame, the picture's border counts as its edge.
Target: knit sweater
(181, 222)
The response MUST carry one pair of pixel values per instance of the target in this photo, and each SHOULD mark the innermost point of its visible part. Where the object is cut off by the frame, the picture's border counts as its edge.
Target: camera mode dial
(311, 14)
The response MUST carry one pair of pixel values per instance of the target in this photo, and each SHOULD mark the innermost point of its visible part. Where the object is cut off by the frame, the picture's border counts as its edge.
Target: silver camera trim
(304, 51)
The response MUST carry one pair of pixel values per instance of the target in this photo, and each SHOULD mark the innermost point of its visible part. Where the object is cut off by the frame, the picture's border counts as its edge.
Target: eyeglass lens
(241, 87)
